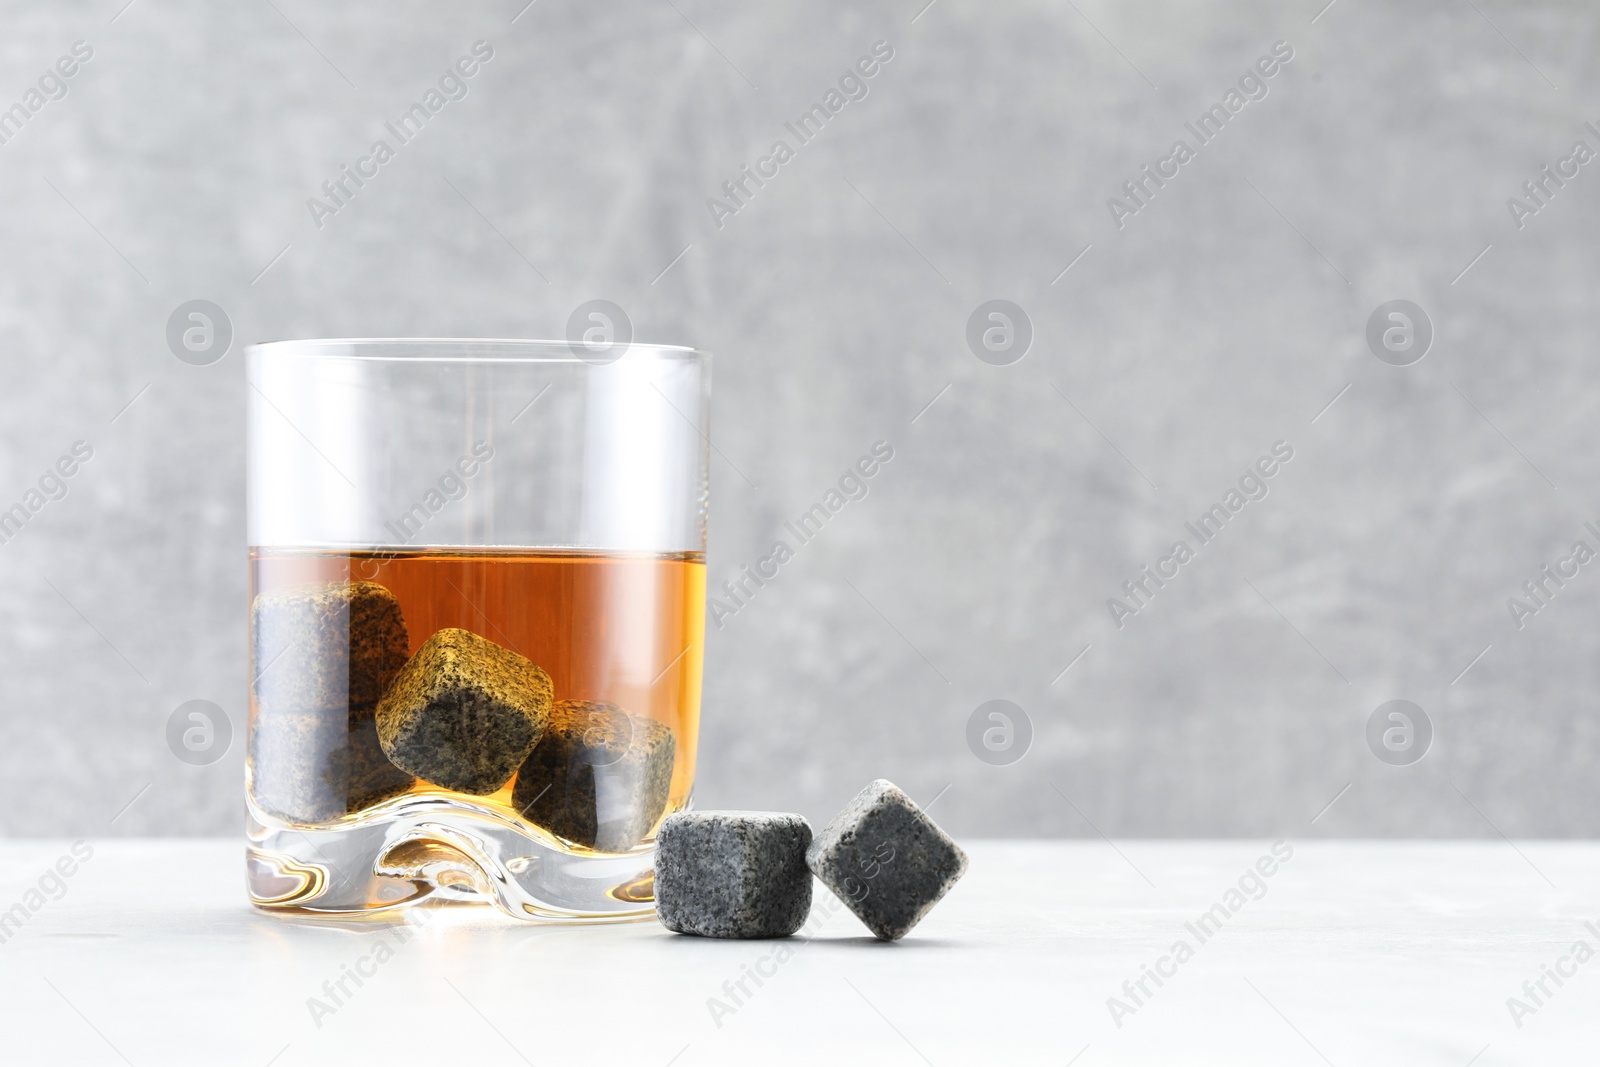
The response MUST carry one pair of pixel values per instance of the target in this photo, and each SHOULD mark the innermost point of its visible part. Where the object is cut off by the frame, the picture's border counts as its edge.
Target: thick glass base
(419, 846)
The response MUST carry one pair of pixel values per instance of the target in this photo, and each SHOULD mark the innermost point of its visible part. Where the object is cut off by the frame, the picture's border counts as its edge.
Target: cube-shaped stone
(886, 860)
(738, 874)
(464, 712)
(372, 777)
(599, 777)
(299, 769)
(313, 768)
(327, 645)
(323, 654)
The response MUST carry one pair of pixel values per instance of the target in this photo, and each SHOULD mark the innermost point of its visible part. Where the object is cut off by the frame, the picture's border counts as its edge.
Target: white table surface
(1358, 953)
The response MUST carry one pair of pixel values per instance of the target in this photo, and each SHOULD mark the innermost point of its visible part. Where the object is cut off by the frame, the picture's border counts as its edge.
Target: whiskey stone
(312, 768)
(373, 778)
(733, 873)
(599, 777)
(323, 654)
(886, 860)
(327, 645)
(299, 771)
(463, 713)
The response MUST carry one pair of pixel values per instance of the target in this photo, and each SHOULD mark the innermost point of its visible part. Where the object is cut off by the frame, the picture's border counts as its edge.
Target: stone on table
(886, 860)
(733, 874)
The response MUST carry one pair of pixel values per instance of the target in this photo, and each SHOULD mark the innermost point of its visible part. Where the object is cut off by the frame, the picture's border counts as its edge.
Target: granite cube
(373, 778)
(886, 860)
(464, 712)
(324, 652)
(299, 771)
(737, 874)
(315, 767)
(599, 777)
(327, 645)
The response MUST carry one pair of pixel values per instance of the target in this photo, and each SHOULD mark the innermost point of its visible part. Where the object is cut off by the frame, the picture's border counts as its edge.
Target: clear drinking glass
(434, 526)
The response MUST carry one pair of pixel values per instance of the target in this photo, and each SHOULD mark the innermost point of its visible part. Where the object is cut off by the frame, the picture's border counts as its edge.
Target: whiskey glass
(477, 620)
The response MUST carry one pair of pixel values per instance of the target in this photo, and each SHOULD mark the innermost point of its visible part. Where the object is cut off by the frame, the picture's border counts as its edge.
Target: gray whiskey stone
(463, 713)
(327, 645)
(886, 860)
(599, 777)
(372, 777)
(312, 768)
(299, 771)
(733, 873)
(324, 653)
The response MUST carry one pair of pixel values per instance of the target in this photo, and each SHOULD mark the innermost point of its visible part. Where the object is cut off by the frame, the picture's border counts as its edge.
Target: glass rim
(464, 349)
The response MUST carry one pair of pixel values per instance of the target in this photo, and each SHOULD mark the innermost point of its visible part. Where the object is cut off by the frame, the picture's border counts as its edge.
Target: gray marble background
(1225, 316)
